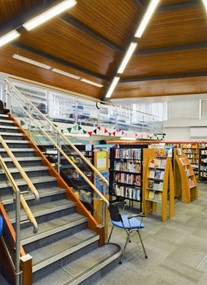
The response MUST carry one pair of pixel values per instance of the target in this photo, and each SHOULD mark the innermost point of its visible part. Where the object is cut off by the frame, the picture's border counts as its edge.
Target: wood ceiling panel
(37, 74)
(187, 61)
(184, 86)
(70, 44)
(115, 20)
(176, 28)
(9, 9)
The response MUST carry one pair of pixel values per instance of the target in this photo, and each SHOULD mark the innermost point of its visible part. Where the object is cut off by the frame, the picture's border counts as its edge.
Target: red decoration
(90, 133)
(105, 131)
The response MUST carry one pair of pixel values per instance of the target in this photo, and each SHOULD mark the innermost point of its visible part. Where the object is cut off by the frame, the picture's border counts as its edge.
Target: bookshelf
(159, 185)
(126, 172)
(186, 183)
(202, 164)
(191, 151)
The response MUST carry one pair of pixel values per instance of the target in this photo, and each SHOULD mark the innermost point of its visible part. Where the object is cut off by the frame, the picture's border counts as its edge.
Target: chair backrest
(1, 107)
(114, 213)
(1, 225)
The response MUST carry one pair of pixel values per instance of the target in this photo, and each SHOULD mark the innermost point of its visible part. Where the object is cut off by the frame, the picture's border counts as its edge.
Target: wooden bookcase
(159, 185)
(186, 183)
(126, 172)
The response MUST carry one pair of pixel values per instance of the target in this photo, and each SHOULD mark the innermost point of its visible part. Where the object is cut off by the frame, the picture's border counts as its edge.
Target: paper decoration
(90, 133)
(69, 129)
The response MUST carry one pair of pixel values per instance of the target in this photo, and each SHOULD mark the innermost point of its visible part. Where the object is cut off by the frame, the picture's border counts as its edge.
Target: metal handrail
(57, 146)
(21, 170)
(22, 200)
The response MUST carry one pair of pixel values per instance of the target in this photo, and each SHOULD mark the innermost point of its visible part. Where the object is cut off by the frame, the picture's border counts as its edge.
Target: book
(151, 195)
(150, 184)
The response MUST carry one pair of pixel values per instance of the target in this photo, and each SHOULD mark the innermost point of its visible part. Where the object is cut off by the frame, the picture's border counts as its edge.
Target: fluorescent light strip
(205, 4)
(54, 11)
(129, 138)
(147, 16)
(9, 37)
(65, 73)
(127, 57)
(112, 86)
(31, 61)
(91, 82)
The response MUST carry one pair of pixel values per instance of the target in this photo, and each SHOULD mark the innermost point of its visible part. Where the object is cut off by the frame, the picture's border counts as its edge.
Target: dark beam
(163, 77)
(171, 49)
(58, 60)
(71, 20)
(140, 4)
(177, 6)
(18, 21)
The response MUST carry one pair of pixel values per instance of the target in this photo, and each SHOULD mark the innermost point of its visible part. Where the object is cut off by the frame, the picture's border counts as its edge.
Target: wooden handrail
(21, 170)
(62, 135)
(61, 151)
(22, 200)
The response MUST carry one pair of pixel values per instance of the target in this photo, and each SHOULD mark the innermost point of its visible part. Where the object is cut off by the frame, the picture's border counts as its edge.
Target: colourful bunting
(90, 133)
(79, 128)
(69, 129)
(105, 131)
(95, 131)
(114, 133)
(99, 128)
(22, 123)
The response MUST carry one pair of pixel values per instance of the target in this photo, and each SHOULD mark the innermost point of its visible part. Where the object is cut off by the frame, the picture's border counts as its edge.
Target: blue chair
(128, 223)
(1, 225)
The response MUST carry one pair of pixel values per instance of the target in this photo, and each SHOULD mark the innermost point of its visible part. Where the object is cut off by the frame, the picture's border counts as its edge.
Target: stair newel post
(18, 238)
(58, 153)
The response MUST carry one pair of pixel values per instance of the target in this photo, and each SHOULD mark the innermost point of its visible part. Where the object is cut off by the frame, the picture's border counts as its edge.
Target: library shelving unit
(191, 151)
(185, 179)
(126, 172)
(159, 185)
(202, 164)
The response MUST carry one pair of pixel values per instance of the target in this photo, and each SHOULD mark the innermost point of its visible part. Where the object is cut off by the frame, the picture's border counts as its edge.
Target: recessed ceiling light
(9, 37)
(31, 61)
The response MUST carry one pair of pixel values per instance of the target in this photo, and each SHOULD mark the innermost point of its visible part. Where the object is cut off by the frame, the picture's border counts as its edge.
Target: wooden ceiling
(91, 38)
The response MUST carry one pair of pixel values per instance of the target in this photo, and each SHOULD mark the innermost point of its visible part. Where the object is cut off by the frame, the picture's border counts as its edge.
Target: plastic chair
(129, 223)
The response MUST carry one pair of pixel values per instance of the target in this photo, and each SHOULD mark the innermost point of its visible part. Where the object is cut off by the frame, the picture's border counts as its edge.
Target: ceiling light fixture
(66, 73)
(91, 82)
(47, 15)
(128, 138)
(205, 4)
(9, 37)
(112, 86)
(147, 16)
(127, 57)
(31, 61)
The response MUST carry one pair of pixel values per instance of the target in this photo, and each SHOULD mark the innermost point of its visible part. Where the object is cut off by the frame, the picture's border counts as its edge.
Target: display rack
(126, 172)
(159, 185)
(203, 164)
(186, 183)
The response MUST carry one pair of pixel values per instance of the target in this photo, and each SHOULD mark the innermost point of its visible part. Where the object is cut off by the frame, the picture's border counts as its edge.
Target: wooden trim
(26, 267)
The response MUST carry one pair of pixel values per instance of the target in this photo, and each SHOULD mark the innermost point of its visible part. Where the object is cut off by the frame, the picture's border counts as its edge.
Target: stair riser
(24, 163)
(4, 117)
(5, 124)
(11, 137)
(58, 264)
(5, 130)
(17, 145)
(25, 187)
(50, 239)
(29, 153)
(30, 174)
(32, 202)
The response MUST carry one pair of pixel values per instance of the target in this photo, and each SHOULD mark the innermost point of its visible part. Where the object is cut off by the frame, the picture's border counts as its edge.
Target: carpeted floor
(177, 249)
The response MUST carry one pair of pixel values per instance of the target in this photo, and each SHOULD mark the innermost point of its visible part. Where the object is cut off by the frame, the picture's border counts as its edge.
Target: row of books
(128, 153)
(157, 163)
(128, 178)
(156, 174)
(129, 166)
(184, 160)
(153, 185)
(203, 152)
(155, 196)
(127, 192)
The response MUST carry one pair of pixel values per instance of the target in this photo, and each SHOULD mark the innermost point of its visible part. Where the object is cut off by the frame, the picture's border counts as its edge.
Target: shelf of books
(185, 179)
(159, 185)
(126, 172)
(202, 164)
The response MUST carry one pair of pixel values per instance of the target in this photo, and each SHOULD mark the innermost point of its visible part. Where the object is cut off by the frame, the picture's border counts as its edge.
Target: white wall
(186, 119)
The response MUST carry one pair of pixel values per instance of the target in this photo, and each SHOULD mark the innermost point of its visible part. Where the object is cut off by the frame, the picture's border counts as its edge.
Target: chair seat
(134, 223)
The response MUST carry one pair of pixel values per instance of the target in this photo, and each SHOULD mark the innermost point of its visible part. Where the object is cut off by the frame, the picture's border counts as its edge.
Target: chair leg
(110, 233)
(123, 251)
(142, 244)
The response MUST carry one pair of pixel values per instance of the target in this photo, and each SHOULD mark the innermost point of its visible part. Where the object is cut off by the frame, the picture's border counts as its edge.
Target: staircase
(65, 250)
